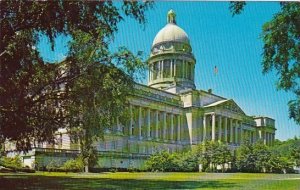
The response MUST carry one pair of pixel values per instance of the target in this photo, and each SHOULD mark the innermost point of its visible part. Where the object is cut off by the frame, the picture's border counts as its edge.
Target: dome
(171, 32)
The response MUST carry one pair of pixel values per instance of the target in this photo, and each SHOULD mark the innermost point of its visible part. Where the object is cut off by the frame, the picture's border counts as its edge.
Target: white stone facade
(169, 113)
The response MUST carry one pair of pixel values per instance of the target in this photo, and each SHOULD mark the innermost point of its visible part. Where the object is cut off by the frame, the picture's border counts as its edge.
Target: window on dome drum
(167, 68)
(179, 68)
(189, 65)
(155, 70)
(159, 70)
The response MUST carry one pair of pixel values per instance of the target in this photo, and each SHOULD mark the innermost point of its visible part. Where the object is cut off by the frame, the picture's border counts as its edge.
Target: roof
(216, 103)
(229, 104)
(171, 33)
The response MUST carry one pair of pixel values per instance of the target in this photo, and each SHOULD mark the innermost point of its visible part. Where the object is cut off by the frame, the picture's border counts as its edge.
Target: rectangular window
(189, 74)
(179, 68)
(155, 70)
(167, 68)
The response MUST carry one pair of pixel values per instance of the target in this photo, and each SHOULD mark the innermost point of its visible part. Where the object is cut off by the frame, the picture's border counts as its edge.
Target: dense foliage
(209, 155)
(281, 51)
(161, 161)
(32, 107)
(73, 165)
(217, 157)
(11, 162)
(289, 149)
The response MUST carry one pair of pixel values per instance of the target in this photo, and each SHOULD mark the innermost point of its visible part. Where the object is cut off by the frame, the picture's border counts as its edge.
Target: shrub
(113, 170)
(73, 165)
(162, 161)
(14, 164)
(186, 162)
(11, 162)
(53, 165)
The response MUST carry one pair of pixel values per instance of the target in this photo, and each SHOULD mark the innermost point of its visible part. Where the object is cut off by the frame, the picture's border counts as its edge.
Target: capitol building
(168, 113)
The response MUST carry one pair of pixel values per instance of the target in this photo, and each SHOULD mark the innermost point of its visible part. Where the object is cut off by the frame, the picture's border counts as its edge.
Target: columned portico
(164, 126)
(140, 123)
(225, 129)
(242, 134)
(172, 128)
(220, 128)
(148, 124)
(131, 121)
(156, 125)
(178, 129)
(213, 127)
(236, 132)
(204, 128)
(231, 130)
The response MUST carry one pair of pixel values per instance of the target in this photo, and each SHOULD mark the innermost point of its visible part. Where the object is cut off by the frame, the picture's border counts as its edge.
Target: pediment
(229, 105)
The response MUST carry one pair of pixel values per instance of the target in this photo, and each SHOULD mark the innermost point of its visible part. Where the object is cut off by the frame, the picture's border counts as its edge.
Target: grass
(124, 180)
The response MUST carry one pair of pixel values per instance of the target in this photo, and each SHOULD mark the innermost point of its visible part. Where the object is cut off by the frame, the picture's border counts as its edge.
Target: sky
(233, 44)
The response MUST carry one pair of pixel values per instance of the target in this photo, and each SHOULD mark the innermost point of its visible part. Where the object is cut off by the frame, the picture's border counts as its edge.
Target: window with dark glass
(189, 65)
(179, 68)
(167, 68)
(155, 70)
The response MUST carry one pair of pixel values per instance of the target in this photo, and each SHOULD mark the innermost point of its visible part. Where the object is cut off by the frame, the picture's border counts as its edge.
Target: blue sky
(217, 38)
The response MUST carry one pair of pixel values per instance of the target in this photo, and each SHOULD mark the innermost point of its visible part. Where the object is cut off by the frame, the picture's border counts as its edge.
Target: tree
(187, 161)
(262, 156)
(246, 159)
(295, 154)
(279, 164)
(222, 156)
(31, 106)
(162, 161)
(281, 52)
(212, 154)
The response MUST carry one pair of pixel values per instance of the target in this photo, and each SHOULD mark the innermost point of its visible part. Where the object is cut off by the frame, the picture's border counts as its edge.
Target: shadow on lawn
(49, 182)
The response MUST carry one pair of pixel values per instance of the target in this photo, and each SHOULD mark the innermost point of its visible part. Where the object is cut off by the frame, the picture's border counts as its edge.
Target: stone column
(172, 128)
(213, 127)
(178, 128)
(220, 128)
(171, 67)
(148, 123)
(236, 132)
(175, 68)
(225, 130)
(162, 69)
(260, 134)
(140, 123)
(231, 130)
(183, 69)
(151, 72)
(264, 136)
(164, 125)
(204, 128)
(242, 134)
(156, 124)
(131, 121)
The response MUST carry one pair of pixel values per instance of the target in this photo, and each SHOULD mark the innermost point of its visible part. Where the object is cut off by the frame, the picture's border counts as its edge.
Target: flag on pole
(216, 70)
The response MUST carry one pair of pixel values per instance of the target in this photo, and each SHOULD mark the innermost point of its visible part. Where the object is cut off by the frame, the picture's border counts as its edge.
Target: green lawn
(124, 180)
